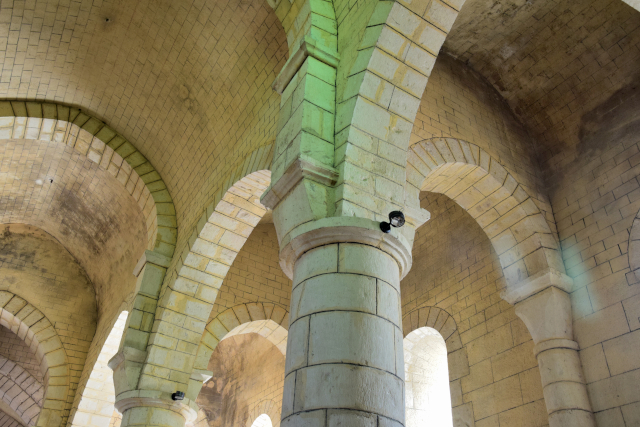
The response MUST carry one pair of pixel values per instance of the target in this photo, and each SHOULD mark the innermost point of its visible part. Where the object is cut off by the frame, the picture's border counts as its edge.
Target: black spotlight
(178, 395)
(396, 219)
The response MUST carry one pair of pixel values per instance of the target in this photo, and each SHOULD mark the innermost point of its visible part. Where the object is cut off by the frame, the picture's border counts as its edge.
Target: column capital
(330, 230)
(147, 399)
(535, 284)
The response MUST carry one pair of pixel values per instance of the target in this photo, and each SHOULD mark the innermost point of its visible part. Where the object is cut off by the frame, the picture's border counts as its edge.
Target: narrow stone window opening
(96, 408)
(428, 396)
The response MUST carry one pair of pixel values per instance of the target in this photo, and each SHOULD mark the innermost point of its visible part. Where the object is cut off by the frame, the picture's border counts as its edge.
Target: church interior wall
(549, 89)
(494, 377)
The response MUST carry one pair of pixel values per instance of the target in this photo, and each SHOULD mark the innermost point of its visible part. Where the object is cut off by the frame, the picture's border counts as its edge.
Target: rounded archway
(427, 394)
(262, 421)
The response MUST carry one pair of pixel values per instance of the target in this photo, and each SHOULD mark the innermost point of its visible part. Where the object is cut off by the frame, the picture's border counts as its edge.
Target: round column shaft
(344, 353)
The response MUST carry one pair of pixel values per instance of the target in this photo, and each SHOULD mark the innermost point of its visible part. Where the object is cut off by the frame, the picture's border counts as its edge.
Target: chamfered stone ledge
(156, 399)
(308, 47)
(298, 170)
(153, 258)
(537, 283)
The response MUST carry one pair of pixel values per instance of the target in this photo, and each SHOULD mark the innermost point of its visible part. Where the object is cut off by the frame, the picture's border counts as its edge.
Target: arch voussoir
(42, 338)
(219, 327)
(493, 197)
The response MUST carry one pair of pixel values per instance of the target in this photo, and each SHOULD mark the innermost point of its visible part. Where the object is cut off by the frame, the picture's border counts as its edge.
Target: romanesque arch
(445, 324)
(193, 287)
(235, 317)
(480, 184)
(30, 325)
(21, 391)
(436, 318)
(105, 147)
(268, 407)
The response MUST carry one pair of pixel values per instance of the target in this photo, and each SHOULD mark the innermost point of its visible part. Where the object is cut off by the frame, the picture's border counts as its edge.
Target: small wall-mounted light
(396, 219)
(178, 395)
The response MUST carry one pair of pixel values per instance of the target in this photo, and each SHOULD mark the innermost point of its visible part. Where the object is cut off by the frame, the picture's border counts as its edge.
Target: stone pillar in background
(345, 362)
(145, 404)
(543, 303)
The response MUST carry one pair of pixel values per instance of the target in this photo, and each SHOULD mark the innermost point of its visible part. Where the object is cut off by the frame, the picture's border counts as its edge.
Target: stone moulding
(330, 230)
(298, 170)
(153, 258)
(308, 47)
(554, 344)
(33, 327)
(187, 408)
(537, 283)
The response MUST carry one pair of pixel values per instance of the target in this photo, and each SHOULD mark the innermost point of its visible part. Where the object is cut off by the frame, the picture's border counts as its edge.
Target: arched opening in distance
(427, 393)
(96, 407)
(262, 421)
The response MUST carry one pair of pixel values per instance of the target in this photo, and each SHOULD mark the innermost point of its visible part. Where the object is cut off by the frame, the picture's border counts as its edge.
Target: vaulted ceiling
(553, 61)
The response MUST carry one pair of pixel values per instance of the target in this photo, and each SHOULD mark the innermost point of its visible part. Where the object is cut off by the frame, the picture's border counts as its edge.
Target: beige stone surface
(248, 372)
(526, 136)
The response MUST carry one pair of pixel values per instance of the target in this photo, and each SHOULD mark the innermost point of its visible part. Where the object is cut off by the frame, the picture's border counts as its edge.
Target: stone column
(543, 303)
(344, 362)
(141, 404)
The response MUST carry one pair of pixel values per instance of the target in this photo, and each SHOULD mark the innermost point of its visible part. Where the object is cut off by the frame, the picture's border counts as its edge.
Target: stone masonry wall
(247, 370)
(255, 274)
(495, 378)
(14, 349)
(37, 268)
(459, 103)
(595, 198)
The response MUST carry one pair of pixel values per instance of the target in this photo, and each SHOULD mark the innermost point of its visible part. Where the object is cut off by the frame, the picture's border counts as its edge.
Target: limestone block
(288, 394)
(354, 387)
(602, 325)
(572, 418)
(513, 361)
(317, 261)
(298, 345)
(618, 351)
(631, 414)
(560, 364)
(632, 311)
(495, 398)
(463, 416)
(490, 344)
(345, 337)
(611, 417)
(480, 375)
(343, 418)
(529, 415)
(388, 302)
(387, 422)
(565, 395)
(615, 391)
(335, 292)
(456, 393)
(305, 419)
(366, 260)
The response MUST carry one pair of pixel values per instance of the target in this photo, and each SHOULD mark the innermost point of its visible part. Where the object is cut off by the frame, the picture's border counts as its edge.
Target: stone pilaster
(543, 303)
(138, 404)
(345, 362)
